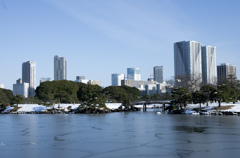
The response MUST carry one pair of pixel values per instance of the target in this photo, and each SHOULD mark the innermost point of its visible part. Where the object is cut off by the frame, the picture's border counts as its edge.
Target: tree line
(193, 91)
(184, 91)
(63, 91)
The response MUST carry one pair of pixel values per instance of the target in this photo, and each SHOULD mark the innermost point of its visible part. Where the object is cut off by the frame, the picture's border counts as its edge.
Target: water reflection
(190, 129)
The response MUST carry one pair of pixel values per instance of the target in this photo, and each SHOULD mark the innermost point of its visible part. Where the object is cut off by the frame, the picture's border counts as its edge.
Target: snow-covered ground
(37, 108)
(113, 105)
(235, 108)
(31, 107)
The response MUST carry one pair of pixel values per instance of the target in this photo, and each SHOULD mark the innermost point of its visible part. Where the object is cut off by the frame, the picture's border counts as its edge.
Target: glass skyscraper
(60, 68)
(133, 74)
(29, 76)
(158, 74)
(223, 72)
(209, 68)
(187, 59)
(116, 79)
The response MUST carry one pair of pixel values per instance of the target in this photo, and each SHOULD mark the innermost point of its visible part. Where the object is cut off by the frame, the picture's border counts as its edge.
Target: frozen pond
(119, 135)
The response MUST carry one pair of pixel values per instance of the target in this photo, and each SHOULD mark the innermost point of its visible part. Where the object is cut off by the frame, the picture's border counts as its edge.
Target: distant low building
(82, 79)
(137, 84)
(21, 88)
(146, 87)
(159, 88)
(94, 82)
(78, 78)
(45, 79)
(1, 85)
(150, 79)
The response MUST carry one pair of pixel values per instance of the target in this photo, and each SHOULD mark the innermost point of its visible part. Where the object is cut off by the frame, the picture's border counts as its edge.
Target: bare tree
(191, 83)
(207, 90)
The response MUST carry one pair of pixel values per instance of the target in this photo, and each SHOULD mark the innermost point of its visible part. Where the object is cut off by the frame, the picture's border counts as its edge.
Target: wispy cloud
(4, 5)
(138, 26)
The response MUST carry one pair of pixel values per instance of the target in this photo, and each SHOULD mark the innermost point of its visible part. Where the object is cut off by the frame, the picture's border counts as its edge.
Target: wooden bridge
(147, 102)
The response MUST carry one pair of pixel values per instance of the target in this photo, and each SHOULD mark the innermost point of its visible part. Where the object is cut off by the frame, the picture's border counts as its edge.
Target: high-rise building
(223, 72)
(209, 68)
(158, 74)
(116, 79)
(133, 74)
(60, 68)
(188, 59)
(29, 76)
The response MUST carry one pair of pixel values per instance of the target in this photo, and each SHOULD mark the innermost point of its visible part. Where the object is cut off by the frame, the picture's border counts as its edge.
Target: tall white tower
(60, 68)
(188, 59)
(29, 76)
(209, 68)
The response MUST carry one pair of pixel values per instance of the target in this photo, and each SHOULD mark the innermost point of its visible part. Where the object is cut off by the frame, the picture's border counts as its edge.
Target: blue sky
(101, 37)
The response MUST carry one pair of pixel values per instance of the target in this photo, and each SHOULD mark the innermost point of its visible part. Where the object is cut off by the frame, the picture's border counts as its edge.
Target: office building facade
(21, 88)
(78, 78)
(116, 79)
(159, 88)
(209, 68)
(60, 68)
(158, 74)
(188, 59)
(223, 72)
(94, 82)
(133, 74)
(29, 76)
(81, 79)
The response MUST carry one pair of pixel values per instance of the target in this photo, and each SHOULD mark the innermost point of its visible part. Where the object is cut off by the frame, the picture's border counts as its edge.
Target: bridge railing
(141, 102)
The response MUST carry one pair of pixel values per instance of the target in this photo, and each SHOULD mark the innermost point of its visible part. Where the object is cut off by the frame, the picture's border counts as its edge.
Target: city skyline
(103, 37)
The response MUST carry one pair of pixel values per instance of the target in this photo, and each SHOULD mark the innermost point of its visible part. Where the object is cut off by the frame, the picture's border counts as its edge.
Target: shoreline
(211, 109)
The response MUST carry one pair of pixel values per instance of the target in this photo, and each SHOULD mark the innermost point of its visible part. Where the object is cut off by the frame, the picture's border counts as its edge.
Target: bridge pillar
(144, 107)
(163, 107)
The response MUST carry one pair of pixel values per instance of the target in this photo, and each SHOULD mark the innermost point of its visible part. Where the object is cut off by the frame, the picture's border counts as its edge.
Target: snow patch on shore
(38, 108)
